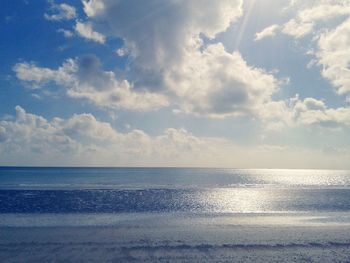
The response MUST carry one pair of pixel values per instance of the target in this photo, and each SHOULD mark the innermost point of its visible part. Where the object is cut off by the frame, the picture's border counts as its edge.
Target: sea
(62, 214)
(154, 190)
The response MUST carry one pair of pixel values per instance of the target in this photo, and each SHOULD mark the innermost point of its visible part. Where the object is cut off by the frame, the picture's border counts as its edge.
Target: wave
(202, 247)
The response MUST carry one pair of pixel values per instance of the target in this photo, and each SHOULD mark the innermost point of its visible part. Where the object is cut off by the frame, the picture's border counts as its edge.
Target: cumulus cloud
(297, 29)
(86, 31)
(84, 78)
(59, 12)
(29, 139)
(307, 112)
(310, 14)
(211, 82)
(216, 83)
(169, 60)
(79, 136)
(168, 54)
(82, 138)
(269, 31)
(333, 55)
(32, 133)
(157, 32)
(172, 63)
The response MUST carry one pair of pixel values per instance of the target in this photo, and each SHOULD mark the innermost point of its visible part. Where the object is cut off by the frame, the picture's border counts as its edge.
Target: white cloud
(29, 139)
(86, 31)
(296, 29)
(31, 133)
(121, 52)
(36, 75)
(211, 82)
(333, 55)
(59, 12)
(84, 78)
(307, 112)
(169, 60)
(157, 33)
(83, 139)
(216, 83)
(328, 22)
(65, 33)
(310, 14)
(267, 32)
(164, 42)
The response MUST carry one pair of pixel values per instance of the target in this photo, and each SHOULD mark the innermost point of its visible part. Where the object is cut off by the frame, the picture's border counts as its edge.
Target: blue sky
(253, 84)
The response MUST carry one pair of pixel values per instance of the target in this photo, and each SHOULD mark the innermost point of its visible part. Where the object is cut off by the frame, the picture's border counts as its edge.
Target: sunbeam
(248, 7)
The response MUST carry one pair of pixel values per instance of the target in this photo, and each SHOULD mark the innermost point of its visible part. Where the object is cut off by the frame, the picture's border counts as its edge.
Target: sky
(225, 83)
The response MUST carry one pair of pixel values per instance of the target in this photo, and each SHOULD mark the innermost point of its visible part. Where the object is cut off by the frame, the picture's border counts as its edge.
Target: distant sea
(133, 190)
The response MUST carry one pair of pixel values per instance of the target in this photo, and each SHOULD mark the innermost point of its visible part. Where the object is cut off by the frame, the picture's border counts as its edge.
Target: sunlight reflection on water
(237, 200)
(293, 177)
(119, 190)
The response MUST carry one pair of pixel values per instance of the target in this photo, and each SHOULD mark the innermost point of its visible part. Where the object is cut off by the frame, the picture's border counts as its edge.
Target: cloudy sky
(225, 83)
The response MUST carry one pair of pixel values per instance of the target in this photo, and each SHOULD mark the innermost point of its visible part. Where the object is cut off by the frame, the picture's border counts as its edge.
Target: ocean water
(167, 190)
(173, 215)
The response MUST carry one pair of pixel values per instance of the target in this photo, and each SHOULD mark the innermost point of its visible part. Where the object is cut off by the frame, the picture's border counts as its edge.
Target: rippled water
(133, 190)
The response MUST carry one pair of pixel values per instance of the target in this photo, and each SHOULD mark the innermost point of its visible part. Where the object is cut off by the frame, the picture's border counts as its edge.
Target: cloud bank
(29, 139)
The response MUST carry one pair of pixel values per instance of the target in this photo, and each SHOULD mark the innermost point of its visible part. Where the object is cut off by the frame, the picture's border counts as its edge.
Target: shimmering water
(135, 190)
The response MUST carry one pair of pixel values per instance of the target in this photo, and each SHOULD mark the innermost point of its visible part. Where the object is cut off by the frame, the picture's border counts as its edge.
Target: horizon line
(163, 167)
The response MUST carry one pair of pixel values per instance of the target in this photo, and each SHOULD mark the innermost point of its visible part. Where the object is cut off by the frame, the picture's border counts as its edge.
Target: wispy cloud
(86, 31)
(60, 12)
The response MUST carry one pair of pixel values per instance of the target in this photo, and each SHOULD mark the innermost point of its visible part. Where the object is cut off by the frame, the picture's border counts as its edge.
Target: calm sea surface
(155, 190)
